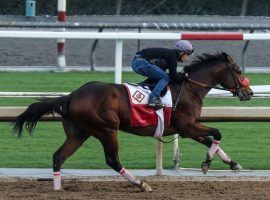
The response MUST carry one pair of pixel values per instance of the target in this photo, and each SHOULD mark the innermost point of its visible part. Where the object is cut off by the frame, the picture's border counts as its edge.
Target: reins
(203, 85)
(165, 142)
(178, 98)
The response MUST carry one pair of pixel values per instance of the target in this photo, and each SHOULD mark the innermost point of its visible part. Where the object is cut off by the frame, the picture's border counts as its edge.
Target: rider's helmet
(184, 46)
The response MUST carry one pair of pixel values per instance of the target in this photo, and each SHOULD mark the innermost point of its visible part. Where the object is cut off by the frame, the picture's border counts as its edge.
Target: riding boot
(155, 102)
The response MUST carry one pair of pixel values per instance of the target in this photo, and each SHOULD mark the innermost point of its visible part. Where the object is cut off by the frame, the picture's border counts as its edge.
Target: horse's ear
(226, 56)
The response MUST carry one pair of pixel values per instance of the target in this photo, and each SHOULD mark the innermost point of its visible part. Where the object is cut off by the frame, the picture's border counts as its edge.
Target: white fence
(260, 91)
(208, 114)
(119, 37)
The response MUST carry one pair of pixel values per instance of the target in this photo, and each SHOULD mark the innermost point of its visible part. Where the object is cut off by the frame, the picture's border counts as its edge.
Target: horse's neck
(210, 76)
(204, 77)
(190, 95)
(183, 96)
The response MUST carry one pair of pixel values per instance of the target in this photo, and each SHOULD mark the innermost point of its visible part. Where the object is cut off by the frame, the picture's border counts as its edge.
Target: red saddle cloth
(140, 113)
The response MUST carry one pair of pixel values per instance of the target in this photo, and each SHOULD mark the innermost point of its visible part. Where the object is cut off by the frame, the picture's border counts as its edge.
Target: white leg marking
(57, 180)
(213, 149)
(223, 156)
(129, 176)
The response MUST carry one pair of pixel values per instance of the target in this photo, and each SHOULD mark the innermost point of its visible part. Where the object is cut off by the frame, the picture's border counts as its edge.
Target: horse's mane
(203, 61)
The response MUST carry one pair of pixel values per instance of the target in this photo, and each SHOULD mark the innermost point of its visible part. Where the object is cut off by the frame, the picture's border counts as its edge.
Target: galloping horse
(101, 109)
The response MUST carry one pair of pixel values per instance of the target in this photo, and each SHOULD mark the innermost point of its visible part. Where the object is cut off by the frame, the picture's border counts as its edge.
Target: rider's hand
(181, 76)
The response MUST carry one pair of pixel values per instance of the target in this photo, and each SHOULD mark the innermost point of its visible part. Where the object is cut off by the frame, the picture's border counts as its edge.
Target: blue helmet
(184, 46)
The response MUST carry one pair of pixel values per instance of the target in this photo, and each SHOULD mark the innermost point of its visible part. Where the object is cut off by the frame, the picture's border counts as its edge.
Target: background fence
(90, 55)
(140, 7)
(119, 37)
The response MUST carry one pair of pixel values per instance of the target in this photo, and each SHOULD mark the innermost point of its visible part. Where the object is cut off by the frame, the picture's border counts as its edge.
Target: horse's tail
(35, 111)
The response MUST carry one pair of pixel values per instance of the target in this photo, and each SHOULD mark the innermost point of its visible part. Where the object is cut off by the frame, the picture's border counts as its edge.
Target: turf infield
(247, 143)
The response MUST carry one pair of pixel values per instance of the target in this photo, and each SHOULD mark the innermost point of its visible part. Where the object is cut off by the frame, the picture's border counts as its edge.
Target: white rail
(120, 36)
(208, 114)
(259, 91)
(136, 36)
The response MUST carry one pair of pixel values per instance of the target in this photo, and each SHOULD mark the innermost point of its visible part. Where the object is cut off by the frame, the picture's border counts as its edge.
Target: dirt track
(174, 188)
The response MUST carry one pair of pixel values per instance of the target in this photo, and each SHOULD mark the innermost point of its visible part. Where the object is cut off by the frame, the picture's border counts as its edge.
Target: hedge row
(141, 7)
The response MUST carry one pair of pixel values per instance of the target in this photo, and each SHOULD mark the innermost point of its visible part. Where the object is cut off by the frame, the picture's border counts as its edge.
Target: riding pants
(146, 68)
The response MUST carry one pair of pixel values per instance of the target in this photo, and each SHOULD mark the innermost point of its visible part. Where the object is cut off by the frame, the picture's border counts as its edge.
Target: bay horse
(101, 109)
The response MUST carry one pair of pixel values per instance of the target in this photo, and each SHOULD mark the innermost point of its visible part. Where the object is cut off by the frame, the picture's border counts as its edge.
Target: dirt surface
(163, 188)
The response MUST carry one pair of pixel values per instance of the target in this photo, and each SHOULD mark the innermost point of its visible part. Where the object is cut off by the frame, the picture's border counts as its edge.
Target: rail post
(159, 159)
(118, 60)
(176, 152)
(61, 59)
(30, 8)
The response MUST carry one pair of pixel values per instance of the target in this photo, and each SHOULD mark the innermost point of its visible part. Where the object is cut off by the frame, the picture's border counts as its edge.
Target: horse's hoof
(236, 167)
(145, 187)
(205, 166)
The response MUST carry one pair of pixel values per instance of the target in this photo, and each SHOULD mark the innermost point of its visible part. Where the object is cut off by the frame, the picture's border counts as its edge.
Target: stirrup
(156, 105)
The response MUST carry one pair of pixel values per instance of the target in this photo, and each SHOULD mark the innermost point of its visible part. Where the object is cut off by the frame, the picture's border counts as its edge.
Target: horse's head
(211, 70)
(234, 80)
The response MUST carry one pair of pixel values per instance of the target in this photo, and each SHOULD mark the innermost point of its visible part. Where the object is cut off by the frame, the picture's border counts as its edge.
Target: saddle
(143, 115)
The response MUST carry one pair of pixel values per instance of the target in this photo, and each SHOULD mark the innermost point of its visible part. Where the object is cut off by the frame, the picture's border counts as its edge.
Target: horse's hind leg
(74, 139)
(109, 142)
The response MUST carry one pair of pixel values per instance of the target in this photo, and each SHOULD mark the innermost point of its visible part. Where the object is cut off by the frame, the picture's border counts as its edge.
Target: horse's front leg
(226, 159)
(207, 141)
(196, 131)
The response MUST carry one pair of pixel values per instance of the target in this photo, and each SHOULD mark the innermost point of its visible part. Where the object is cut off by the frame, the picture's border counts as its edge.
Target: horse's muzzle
(244, 94)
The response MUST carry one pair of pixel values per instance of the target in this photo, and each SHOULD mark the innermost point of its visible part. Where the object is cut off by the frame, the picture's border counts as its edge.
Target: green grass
(67, 82)
(51, 82)
(247, 143)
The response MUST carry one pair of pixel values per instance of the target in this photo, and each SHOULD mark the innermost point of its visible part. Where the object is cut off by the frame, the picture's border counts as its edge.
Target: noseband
(237, 90)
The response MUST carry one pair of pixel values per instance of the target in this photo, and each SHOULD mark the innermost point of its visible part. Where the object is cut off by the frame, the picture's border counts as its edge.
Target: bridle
(236, 90)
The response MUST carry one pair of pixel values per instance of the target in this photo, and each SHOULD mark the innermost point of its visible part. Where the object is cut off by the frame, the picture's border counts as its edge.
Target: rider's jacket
(164, 59)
